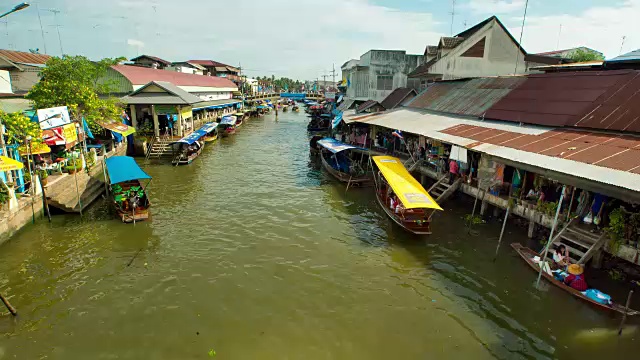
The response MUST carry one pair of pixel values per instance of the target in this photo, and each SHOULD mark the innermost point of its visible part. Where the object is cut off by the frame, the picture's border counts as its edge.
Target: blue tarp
(124, 168)
(194, 136)
(340, 98)
(228, 120)
(219, 106)
(336, 120)
(336, 146)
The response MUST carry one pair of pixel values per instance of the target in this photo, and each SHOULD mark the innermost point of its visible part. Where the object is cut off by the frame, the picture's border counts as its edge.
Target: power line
(44, 42)
(57, 26)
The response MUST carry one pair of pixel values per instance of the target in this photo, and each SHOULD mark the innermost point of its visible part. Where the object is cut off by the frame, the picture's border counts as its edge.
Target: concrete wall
(363, 75)
(499, 56)
(23, 81)
(5, 82)
(10, 223)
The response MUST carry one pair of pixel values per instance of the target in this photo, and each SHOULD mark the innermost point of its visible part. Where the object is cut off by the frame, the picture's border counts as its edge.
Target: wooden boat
(394, 181)
(212, 135)
(127, 193)
(188, 153)
(337, 159)
(189, 147)
(527, 255)
(228, 125)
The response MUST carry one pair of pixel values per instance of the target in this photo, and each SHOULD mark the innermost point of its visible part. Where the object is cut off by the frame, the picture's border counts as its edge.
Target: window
(385, 82)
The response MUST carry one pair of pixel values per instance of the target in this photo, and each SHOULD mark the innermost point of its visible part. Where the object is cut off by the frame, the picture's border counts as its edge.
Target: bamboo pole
(45, 203)
(12, 310)
(504, 224)
(543, 258)
(626, 310)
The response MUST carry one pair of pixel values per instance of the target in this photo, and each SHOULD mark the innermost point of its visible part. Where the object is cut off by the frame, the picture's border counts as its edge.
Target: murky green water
(257, 254)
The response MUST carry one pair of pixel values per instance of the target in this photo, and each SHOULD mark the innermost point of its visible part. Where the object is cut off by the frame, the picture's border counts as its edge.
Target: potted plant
(43, 177)
(74, 165)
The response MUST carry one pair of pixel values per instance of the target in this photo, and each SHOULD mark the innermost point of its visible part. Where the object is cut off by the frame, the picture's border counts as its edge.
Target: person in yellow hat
(576, 277)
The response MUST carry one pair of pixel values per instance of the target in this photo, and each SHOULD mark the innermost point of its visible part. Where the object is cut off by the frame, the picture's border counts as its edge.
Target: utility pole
(333, 72)
(622, 45)
(57, 26)
(44, 42)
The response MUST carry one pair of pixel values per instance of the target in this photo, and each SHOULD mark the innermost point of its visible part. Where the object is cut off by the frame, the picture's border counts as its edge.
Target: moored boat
(528, 255)
(343, 163)
(402, 197)
(212, 135)
(127, 193)
(228, 125)
(189, 147)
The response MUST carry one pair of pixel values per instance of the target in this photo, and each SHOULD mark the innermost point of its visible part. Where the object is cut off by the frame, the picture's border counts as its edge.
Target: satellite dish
(34, 51)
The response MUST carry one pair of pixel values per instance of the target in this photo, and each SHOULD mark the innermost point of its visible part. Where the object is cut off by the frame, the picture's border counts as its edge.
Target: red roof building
(135, 77)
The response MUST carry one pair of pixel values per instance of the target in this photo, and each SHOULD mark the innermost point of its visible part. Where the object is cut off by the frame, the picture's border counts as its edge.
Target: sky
(303, 39)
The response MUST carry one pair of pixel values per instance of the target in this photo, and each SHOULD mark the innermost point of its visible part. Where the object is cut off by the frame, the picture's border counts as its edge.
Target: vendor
(561, 256)
(576, 278)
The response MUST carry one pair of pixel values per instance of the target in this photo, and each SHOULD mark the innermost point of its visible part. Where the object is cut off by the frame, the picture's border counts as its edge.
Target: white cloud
(300, 39)
(600, 28)
(495, 6)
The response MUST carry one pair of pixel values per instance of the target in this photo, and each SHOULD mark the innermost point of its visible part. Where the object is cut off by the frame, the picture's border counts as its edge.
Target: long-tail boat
(413, 207)
(343, 163)
(127, 193)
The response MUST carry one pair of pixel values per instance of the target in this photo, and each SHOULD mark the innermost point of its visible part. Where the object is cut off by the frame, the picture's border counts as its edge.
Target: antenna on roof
(622, 45)
(453, 14)
(559, 34)
(524, 18)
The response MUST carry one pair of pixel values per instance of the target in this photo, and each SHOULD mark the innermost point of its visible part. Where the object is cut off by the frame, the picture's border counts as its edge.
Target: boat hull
(189, 159)
(410, 226)
(344, 177)
(527, 255)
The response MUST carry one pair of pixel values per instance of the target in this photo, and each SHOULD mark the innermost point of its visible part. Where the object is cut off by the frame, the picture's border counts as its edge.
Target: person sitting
(576, 278)
(561, 256)
(392, 201)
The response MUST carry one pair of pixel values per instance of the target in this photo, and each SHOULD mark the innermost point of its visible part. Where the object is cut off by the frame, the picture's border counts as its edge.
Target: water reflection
(256, 252)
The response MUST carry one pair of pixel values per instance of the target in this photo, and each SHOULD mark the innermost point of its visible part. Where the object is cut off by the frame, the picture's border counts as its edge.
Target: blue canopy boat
(128, 195)
(189, 147)
(343, 163)
(228, 125)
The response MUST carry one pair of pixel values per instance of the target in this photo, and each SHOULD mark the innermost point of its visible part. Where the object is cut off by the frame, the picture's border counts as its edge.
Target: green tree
(581, 55)
(76, 82)
(18, 126)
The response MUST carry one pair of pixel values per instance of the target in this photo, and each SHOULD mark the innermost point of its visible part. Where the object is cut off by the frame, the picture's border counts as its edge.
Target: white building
(377, 73)
(486, 49)
(187, 68)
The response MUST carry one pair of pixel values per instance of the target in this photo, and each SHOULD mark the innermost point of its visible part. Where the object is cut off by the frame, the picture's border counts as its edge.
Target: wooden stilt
(626, 310)
(504, 224)
(6, 303)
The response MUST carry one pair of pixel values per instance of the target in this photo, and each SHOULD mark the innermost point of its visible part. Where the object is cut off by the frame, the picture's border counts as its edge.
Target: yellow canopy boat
(402, 197)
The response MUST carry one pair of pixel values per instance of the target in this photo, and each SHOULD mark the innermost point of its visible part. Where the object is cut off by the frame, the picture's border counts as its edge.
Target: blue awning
(218, 106)
(336, 146)
(124, 168)
(336, 120)
(228, 120)
(194, 136)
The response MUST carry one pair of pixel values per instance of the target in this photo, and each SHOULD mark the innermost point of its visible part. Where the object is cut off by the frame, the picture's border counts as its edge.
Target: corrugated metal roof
(564, 99)
(141, 75)
(632, 56)
(24, 57)
(172, 95)
(367, 105)
(152, 58)
(396, 97)
(604, 158)
(467, 97)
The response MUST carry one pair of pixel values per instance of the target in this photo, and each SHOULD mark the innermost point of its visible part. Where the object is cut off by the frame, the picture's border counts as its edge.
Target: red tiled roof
(24, 57)
(141, 76)
(613, 151)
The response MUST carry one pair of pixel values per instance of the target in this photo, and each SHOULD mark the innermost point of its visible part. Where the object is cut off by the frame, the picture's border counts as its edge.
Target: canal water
(255, 253)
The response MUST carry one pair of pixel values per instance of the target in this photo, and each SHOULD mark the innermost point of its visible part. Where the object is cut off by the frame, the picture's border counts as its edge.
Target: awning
(8, 164)
(117, 127)
(409, 191)
(228, 120)
(124, 168)
(336, 121)
(194, 136)
(63, 135)
(336, 146)
(215, 104)
(36, 148)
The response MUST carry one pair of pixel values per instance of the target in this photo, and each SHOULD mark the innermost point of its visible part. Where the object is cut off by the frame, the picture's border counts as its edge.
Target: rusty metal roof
(24, 57)
(367, 105)
(466, 97)
(614, 151)
(564, 99)
(396, 97)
